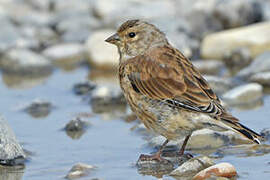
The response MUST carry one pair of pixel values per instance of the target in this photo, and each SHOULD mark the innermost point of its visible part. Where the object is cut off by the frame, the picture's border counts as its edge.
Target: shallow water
(108, 143)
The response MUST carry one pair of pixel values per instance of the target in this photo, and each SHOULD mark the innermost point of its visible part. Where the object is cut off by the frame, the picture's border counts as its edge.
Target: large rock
(242, 94)
(11, 153)
(102, 54)
(259, 64)
(23, 61)
(253, 37)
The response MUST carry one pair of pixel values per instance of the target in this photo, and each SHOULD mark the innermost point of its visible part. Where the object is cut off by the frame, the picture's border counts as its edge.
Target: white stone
(65, 52)
(253, 37)
(102, 54)
(244, 94)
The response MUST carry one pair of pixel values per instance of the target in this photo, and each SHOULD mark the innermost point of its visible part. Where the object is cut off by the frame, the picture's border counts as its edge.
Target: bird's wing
(165, 74)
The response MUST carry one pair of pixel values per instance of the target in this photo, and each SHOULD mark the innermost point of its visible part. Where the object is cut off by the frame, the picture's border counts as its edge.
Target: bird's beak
(113, 39)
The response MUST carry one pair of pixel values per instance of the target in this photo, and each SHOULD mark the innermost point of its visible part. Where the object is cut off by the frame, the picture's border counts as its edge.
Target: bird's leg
(182, 150)
(156, 156)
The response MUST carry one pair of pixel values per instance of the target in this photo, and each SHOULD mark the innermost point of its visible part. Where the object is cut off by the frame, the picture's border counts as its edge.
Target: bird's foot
(154, 157)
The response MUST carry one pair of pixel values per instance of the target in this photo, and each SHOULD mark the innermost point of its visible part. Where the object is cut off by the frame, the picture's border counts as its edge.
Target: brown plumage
(164, 89)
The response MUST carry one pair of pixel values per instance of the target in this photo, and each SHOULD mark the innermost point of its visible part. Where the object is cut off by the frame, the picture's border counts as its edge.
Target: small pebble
(39, 108)
(220, 170)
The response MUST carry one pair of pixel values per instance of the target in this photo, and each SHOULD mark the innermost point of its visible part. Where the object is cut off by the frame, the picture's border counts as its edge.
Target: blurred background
(60, 93)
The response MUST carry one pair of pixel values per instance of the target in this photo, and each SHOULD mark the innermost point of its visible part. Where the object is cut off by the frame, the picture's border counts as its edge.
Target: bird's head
(134, 37)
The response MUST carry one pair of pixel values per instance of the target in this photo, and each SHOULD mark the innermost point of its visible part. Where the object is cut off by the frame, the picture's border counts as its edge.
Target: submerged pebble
(39, 108)
(83, 88)
(80, 170)
(219, 170)
(76, 125)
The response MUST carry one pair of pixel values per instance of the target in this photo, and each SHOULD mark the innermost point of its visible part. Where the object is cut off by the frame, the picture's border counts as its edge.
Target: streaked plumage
(164, 89)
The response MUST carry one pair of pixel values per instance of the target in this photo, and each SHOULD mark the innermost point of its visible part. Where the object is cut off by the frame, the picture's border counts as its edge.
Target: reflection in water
(75, 134)
(20, 81)
(11, 172)
(159, 169)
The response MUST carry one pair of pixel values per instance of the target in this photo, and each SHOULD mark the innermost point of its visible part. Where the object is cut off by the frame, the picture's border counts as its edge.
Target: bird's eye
(131, 34)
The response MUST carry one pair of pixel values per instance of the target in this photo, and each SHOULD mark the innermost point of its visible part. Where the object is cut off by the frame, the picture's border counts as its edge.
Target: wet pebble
(192, 166)
(262, 78)
(83, 88)
(11, 152)
(23, 61)
(76, 125)
(208, 66)
(242, 94)
(80, 170)
(218, 170)
(39, 108)
(260, 64)
(102, 54)
(214, 46)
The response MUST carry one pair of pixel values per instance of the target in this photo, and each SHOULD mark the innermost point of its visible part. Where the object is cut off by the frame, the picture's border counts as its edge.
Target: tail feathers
(250, 134)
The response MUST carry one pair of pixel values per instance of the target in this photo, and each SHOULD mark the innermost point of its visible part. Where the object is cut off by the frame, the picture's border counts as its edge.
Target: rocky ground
(228, 41)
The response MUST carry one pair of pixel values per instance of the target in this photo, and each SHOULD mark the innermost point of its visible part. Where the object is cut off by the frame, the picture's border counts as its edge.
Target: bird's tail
(248, 133)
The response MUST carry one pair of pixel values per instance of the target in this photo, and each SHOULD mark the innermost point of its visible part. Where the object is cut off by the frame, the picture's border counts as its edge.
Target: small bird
(164, 89)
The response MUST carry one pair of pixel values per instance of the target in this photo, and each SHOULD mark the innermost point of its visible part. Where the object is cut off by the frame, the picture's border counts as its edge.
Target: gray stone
(242, 94)
(9, 35)
(119, 10)
(266, 133)
(262, 78)
(11, 153)
(80, 170)
(237, 58)
(219, 84)
(24, 62)
(208, 66)
(102, 54)
(202, 23)
(76, 35)
(65, 52)
(192, 166)
(241, 12)
(260, 64)
(253, 37)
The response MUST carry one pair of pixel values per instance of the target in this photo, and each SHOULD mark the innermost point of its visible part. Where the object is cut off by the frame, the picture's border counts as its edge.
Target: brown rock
(220, 170)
